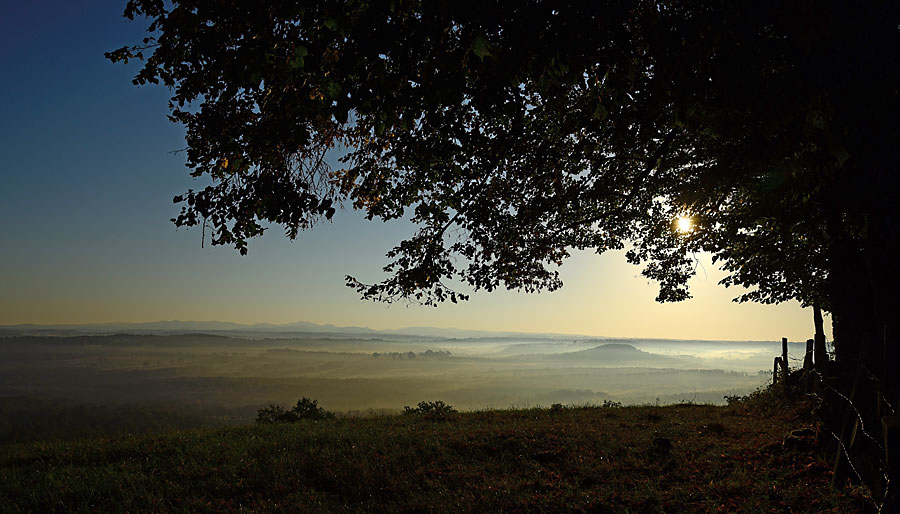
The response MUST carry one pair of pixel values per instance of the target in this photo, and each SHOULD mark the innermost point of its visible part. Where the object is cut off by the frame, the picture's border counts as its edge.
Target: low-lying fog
(228, 377)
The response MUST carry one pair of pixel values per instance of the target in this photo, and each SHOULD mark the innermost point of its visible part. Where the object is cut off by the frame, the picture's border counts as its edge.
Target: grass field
(679, 458)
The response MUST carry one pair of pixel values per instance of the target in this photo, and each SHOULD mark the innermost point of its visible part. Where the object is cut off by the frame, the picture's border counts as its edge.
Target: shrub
(437, 410)
(610, 404)
(305, 409)
(272, 414)
(734, 399)
(309, 409)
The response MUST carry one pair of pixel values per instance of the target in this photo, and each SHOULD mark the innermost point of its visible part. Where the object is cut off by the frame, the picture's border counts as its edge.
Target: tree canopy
(512, 133)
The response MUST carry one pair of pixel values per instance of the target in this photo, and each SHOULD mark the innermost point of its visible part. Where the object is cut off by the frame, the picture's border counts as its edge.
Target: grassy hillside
(682, 458)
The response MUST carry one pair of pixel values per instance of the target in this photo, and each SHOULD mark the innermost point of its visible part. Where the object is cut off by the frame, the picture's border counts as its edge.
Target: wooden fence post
(808, 377)
(784, 360)
(775, 370)
(821, 356)
(808, 358)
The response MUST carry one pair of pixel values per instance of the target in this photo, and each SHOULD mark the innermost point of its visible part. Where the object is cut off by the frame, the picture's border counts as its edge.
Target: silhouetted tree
(514, 132)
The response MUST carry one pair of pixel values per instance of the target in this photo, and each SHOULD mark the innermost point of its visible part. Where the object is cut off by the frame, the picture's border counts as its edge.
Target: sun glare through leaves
(684, 224)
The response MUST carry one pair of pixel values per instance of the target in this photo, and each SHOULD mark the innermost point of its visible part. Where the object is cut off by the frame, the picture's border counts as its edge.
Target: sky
(88, 168)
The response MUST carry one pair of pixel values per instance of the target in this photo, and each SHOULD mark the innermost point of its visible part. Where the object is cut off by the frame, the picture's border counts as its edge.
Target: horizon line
(396, 331)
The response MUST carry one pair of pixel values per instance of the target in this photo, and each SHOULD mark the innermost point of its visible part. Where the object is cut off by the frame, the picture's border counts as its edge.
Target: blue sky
(87, 175)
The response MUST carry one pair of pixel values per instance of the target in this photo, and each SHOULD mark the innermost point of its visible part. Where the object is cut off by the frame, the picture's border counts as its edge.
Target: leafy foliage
(513, 132)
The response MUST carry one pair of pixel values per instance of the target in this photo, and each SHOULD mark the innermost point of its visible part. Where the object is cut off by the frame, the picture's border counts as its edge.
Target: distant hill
(613, 349)
(619, 355)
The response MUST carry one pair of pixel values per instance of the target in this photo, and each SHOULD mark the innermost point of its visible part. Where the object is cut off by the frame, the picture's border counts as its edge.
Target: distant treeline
(129, 340)
(412, 355)
(180, 340)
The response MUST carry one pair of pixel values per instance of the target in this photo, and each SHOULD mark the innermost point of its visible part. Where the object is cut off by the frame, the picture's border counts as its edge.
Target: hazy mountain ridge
(305, 329)
(299, 329)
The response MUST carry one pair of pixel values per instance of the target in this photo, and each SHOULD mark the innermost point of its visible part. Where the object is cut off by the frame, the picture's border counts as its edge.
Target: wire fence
(856, 417)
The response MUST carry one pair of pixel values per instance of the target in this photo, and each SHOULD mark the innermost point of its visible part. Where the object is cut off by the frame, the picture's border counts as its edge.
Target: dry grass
(681, 458)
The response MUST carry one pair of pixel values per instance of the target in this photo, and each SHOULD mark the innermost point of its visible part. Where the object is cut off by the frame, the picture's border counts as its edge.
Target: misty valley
(73, 385)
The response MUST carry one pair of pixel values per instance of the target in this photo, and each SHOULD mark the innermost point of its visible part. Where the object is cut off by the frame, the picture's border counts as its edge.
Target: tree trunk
(851, 299)
(885, 279)
(862, 219)
(864, 296)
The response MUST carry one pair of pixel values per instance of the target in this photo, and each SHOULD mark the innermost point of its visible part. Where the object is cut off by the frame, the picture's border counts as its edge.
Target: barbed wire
(859, 417)
(843, 449)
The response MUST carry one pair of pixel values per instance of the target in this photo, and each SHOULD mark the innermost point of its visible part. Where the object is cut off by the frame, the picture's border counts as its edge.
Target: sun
(684, 224)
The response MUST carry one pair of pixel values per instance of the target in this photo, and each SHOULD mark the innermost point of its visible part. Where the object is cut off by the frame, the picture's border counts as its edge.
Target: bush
(272, 414)
(734, 399)
(437, 410)
(766, 399)
(305, 409)
(309, 409)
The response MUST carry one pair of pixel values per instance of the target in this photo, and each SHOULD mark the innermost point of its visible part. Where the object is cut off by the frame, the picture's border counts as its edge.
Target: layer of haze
(86, 181)
(71, 384)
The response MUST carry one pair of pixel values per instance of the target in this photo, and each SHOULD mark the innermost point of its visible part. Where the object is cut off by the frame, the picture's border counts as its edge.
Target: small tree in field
(309, 409)
(305, 409)
(436, 410)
